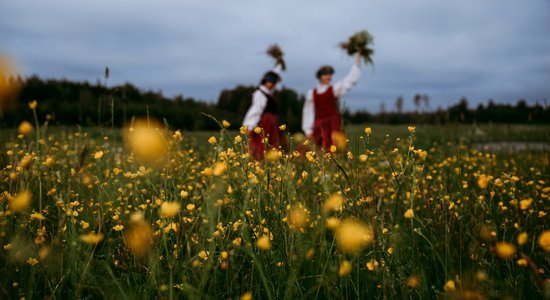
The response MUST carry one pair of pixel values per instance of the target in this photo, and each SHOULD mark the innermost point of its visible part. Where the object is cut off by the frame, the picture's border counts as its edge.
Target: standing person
(263, 114)
(320, 117)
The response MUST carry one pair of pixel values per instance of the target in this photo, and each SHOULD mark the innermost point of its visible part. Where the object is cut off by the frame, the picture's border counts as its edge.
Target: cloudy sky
(497, 49)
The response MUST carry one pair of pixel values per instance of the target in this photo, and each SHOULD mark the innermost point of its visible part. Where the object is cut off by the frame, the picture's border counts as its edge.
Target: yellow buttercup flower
(33, 104)
(333, 203)
(98, 154)
(524, 204)
(368, 131)
(20, 202)
(219, 168)
(413, 282)
(332, 223)
(139, 238)
(297, 217)
(25, 128)
(544, 240)
(225, 124)
(339, 140)
(411, 129)
(483, 181)
(345, 268)
(91, 238)
(169, 209)
(522, 238)
(246, 296)
(449, 286)
(263, 242)
(37, 216)
(409, 214)
(147, 140)
(505, 250)
(118, 227)
(273, 155)
(352, 236)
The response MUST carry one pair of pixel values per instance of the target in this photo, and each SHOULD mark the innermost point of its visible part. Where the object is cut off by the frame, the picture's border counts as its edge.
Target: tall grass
(450, 243)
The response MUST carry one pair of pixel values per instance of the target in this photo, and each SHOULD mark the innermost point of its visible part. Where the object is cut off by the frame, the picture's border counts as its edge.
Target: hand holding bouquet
(360, 42)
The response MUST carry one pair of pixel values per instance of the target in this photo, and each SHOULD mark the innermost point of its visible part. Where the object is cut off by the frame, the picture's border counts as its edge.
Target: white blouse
(259, 101)
(340, 88)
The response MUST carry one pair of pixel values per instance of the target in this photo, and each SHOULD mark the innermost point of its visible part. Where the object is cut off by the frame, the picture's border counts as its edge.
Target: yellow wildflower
(522, 238)
(345, 268)
(169, 209)
(449, 286)
(505, 250)
(25, 128)
(352, 236)
(91, 238)
(544, 240)
(263, 242)
(333, 203)
(409, 214)
(20, 202)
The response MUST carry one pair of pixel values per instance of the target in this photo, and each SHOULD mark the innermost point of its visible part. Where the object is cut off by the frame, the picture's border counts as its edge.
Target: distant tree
(399, 104)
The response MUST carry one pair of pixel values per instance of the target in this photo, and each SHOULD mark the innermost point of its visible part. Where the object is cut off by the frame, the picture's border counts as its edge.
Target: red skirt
(323, 129)
(269, 123)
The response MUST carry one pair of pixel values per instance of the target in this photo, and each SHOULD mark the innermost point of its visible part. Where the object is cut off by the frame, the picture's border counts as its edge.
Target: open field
(401, 212)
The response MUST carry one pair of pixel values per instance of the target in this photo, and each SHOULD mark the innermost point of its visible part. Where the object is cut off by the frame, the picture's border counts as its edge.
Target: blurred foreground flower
(333, 203)
(297, 217)
(25, 128)
(449, 286)
(20, 202)
(544, 240)
(339, 140)
(353, 235)
(505, 250)
(345, 268)
(9, 87)
(91, 238)
(146, 139)
(263, 242)
(139, 236)
(169, 209)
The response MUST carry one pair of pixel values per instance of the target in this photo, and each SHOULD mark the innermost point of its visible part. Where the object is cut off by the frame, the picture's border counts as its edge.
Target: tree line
(65, 102)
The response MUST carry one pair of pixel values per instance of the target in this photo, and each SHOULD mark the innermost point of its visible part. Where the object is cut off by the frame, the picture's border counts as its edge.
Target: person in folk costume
(262, 113)
(320, 116)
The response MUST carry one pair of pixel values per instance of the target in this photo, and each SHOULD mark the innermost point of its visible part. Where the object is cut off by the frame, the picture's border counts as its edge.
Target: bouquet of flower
(277, 53)
(360, 41)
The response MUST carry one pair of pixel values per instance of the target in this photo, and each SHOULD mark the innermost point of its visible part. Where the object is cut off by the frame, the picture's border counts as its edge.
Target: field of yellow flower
(388, 212)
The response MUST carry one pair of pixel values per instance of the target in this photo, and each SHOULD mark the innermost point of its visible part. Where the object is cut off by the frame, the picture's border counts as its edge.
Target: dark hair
(324, 70)
(270, 76)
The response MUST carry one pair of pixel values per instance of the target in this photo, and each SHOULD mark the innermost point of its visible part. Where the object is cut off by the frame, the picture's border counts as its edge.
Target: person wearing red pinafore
(320, 116)
(263, 114)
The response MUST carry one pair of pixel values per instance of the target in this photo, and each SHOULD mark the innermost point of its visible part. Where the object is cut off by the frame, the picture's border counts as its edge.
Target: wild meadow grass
(391, 212)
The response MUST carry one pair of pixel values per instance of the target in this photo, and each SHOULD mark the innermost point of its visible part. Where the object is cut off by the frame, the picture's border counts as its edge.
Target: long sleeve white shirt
(339, 89)
(259, 101)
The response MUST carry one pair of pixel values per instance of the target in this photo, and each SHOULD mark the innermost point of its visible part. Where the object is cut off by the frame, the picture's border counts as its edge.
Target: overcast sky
(497, 49)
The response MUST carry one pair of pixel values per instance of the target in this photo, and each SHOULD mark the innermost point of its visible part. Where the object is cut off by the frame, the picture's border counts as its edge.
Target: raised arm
(278, 68)
(344, 85)
(308, 114)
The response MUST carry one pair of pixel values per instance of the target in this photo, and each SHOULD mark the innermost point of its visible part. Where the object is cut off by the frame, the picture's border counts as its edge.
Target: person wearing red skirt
(263, 114)
(320, 116)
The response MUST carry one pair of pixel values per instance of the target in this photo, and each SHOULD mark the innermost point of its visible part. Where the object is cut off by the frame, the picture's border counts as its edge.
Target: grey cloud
(447, 49)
